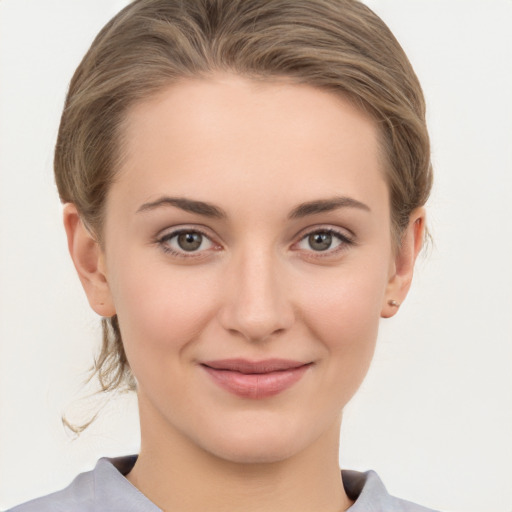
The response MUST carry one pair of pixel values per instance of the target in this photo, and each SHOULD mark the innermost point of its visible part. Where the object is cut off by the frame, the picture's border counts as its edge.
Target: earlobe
(88, 259)
(403, 265)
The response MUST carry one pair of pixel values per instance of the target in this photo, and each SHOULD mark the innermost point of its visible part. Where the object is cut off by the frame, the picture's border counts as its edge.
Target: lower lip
(256, 385)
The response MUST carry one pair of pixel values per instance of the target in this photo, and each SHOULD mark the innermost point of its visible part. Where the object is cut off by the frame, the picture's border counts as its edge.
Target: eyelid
(345, 236)
(169, 233)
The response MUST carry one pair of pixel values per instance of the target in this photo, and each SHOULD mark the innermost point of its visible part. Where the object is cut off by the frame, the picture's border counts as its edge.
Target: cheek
(160, 311)
(344, 312)
(347, 326)
(346, 302)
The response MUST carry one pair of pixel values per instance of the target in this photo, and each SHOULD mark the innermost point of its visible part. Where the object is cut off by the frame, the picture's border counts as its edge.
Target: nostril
(255, 304)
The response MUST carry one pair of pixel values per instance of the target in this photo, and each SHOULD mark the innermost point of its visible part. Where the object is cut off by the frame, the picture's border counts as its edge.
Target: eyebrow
(326, 205)
(209, 210)
(189, 205)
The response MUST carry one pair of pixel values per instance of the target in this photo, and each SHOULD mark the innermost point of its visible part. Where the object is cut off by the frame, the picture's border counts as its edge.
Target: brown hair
(338, 45)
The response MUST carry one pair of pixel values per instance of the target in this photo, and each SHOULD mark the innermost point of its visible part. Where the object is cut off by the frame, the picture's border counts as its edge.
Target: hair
(336, 45)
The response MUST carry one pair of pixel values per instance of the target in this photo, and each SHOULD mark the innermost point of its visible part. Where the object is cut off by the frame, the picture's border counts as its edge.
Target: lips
(255, 379)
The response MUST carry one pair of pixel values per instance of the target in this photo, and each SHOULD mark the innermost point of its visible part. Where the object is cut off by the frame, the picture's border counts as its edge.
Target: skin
(255, 289)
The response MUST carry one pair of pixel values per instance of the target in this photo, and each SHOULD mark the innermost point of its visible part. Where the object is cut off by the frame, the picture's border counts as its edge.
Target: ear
(402, 267)
(88, 258)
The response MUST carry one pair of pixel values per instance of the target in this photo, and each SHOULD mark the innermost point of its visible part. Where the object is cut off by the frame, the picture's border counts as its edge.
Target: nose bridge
(257, 304)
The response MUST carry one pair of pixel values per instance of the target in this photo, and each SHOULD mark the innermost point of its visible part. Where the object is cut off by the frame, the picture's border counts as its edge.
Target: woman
(244, 186)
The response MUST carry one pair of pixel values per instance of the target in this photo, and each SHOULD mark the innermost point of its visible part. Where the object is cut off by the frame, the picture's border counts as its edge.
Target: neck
(176, 474)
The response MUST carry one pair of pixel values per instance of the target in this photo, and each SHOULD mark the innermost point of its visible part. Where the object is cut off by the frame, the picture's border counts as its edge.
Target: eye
(320, 241)
(189, 241)
(185, 242)
(324, 241)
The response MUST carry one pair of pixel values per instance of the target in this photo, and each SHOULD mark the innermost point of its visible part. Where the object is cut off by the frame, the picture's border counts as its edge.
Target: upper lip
(247, 366)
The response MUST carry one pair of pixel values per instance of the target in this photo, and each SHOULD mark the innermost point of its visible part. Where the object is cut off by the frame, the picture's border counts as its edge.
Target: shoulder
(370, 495)
(104, 489)
(79, 496)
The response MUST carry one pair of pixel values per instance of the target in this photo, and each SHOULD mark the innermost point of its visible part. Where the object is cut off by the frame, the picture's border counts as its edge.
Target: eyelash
(166, 238)
(345, 242)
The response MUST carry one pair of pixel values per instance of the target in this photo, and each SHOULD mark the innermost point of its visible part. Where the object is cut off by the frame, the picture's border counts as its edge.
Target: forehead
(276, 138)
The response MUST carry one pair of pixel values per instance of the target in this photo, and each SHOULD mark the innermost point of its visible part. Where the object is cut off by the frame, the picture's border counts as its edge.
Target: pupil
(320, 241)
(190, 241)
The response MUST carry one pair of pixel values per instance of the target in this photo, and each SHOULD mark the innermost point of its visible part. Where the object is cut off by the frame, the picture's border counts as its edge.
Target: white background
(434, 416)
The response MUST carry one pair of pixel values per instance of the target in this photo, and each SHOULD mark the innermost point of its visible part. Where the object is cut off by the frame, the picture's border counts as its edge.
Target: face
(248, 256)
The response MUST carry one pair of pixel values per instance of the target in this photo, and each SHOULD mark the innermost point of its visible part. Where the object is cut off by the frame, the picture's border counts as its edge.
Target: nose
(257, 303)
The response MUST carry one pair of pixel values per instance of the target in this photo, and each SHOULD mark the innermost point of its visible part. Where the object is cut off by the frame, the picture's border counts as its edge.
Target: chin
(267, 452)
(256, 446)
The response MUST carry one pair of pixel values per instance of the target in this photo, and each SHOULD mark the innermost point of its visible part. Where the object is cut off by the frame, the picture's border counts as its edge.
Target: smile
(255, 379)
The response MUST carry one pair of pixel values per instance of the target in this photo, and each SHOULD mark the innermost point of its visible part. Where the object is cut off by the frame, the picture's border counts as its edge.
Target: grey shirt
(105, 489)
